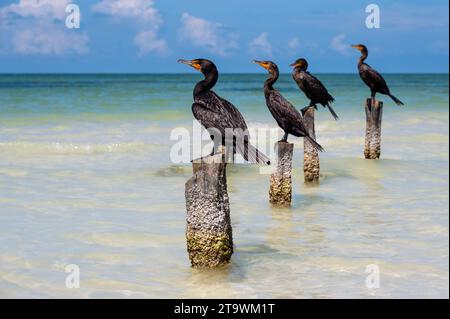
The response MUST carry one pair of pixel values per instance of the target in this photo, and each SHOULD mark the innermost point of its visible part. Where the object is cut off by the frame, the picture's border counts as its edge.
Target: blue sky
(148, 36)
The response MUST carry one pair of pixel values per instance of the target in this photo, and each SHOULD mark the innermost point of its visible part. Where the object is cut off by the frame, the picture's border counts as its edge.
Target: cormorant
(219, 116)
(372, 78)
(312, 87)
(286, 115)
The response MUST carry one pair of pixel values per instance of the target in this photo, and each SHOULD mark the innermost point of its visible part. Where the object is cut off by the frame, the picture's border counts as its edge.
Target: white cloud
(261, 46)
(207, 34)
(145, 14)
(294, 43)
(143, 10)
(54, 9)
(147, 42)
(49, 40)
(338, 44)
(36, 27)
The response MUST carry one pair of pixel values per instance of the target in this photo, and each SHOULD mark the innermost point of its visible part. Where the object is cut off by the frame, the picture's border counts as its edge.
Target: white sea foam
(56, 148)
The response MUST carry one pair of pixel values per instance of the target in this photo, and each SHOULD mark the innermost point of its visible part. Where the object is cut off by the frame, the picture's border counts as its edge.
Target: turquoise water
(86, 178)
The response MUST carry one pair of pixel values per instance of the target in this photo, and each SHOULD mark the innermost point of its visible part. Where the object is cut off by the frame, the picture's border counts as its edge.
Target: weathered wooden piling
(311, 163)
(208, 233)
(280, 192)
(374, 115)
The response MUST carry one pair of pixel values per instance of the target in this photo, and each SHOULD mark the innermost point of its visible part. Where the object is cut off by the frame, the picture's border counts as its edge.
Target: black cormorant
(372, 78)
(219, 116)
(312, 87)
(286, 115)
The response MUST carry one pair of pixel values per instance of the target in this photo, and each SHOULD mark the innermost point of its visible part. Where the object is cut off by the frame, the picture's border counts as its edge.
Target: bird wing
(317, 90)
(286, 112)
(231, 110)
(374, 79)
(216, 113)
(208, 117)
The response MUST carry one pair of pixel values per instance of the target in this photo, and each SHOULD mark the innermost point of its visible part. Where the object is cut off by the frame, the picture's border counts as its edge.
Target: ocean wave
(56, 148)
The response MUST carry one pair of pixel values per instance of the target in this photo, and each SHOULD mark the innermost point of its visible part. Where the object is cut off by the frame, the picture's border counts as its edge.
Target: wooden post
(280, 192)
(374, 115)
(311, 163)
(208, 233)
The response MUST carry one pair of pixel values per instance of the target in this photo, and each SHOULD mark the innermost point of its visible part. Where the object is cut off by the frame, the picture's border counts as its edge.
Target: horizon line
(188, 73)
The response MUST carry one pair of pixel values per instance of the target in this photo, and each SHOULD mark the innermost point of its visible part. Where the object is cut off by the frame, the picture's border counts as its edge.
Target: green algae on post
(208, 233)
(280, 192)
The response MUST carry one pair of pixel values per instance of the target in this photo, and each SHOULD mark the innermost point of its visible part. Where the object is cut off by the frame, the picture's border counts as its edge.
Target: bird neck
(364, 55)
(268, 85)
(207, 83)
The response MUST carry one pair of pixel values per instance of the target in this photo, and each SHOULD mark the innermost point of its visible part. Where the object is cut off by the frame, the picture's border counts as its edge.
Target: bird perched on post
(371, 77)
(219, 116)
(286, 115)
(314, 90)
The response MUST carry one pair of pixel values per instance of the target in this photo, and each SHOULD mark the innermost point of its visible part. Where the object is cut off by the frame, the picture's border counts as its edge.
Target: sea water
(86, 178)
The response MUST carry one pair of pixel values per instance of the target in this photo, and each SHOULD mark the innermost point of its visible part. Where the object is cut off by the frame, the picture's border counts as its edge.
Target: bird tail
(335, 116)
(316, 145)
(397, 101)
(252, 154)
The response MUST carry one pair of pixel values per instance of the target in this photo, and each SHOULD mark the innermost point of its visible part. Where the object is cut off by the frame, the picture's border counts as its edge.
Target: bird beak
(184, 62)
(262, 64)
(355, 46)
(293, 64)
(191, 63)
